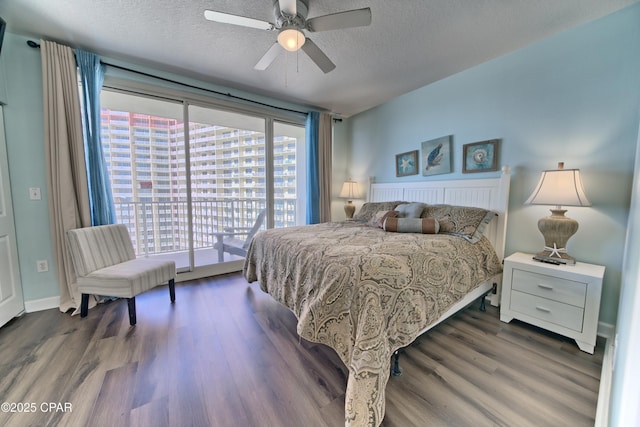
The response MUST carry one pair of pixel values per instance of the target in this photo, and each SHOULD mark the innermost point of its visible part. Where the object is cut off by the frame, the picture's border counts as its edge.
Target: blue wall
(25, 148)
(573, 97)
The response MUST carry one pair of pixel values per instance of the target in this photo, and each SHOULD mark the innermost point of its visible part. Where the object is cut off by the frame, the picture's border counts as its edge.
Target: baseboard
(606, 378)
(41, 304)
(606, 330)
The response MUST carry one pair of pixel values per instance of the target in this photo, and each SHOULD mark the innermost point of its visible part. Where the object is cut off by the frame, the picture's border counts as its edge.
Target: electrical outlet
(42, 266)
(34, 193)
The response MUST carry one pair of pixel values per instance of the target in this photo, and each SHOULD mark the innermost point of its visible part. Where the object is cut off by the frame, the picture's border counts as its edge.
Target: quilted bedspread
(365, 293)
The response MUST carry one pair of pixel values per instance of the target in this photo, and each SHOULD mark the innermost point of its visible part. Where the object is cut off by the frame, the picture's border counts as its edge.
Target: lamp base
(349, 210)
(556, 230)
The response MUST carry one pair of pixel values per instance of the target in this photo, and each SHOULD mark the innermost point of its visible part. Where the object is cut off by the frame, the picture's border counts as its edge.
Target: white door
(11, 302)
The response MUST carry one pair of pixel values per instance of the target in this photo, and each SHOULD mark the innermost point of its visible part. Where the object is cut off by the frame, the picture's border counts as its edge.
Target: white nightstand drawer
(561, 298)
(555, 312)
(553, 288)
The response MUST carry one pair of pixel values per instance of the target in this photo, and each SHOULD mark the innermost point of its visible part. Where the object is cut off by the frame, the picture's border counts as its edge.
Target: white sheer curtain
(65, 162)
(325, 142)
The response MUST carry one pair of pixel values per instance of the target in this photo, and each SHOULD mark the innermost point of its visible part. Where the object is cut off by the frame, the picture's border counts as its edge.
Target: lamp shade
(561, 187)
(291, 39)
(350, 190)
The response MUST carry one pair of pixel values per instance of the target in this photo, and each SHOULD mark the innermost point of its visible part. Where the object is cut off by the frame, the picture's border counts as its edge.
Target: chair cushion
(127, 279)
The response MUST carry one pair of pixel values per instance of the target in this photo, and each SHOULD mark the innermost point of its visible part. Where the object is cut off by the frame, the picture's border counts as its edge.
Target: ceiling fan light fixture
(291, 39)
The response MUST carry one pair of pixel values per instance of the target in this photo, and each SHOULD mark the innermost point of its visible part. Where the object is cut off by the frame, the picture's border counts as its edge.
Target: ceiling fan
(290, 21)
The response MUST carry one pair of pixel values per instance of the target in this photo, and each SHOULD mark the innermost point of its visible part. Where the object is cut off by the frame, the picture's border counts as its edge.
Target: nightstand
(561, 298)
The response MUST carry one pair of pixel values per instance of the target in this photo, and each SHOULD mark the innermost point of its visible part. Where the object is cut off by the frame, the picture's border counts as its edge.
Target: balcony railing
(162, 227)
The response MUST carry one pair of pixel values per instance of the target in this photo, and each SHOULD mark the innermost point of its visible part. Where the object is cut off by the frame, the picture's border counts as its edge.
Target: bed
(367, 292)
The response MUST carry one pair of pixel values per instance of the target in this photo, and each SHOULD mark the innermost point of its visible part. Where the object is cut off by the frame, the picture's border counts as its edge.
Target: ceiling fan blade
(337, 21)
(243, 21)
(318, 56)
(288, 7)
(268, 57)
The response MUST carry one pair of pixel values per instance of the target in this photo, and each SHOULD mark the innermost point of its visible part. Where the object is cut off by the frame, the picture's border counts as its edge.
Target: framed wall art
(407, 163)
(436, 156)
(480, 156)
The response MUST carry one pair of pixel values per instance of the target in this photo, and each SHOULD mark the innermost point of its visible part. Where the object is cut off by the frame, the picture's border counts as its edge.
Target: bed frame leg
(494, 290)
(483, 305)
(395, 368)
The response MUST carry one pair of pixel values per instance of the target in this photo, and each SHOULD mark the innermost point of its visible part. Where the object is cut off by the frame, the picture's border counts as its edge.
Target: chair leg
(172, 290)
(132, 310)
(84, 305)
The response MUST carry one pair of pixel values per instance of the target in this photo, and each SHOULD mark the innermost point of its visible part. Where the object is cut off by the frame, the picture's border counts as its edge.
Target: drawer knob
(543, 309)
(543, 286)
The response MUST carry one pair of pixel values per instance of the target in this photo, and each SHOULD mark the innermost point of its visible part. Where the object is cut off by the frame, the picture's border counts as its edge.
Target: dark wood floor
(226, 354)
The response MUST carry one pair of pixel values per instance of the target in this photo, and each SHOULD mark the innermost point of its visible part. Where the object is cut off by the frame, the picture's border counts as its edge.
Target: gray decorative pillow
(370, 208)
(466, 222)
(410, 210)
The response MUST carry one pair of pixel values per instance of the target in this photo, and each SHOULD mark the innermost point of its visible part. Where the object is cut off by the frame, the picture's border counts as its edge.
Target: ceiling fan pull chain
(286, 68)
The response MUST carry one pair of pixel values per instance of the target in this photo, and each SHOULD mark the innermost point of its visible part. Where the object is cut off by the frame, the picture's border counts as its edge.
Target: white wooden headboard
(487, 193)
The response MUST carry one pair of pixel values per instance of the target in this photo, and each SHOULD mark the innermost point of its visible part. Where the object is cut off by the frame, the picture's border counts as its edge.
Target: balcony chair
(105, 264)
(226, 241)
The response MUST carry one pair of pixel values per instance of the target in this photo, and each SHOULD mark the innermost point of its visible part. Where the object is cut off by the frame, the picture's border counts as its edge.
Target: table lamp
(350, 190)
(560, 187)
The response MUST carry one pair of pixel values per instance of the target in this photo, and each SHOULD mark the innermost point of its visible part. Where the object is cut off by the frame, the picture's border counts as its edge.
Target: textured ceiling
(409, 44)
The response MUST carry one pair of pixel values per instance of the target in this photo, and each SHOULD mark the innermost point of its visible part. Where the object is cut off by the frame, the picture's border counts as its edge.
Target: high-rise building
(149, 164)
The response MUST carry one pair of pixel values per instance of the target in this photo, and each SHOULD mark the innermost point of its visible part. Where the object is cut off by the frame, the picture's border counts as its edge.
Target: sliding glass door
(184, 190)
(140, 138)
(289, 174)
(228, 179)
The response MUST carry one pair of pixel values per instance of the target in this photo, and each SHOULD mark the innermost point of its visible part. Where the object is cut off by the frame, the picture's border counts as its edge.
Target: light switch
(34, 193)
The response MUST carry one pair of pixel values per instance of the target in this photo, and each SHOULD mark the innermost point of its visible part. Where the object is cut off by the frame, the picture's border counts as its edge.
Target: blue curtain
(100, 196)
(313, 172)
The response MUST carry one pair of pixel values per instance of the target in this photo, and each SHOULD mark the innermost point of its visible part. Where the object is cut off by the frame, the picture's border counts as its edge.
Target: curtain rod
(35, 45)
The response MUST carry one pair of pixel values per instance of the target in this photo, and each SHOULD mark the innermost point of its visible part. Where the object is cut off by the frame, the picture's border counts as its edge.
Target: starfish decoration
(555, 251)
(406, 164)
